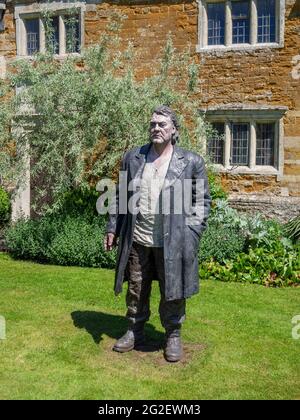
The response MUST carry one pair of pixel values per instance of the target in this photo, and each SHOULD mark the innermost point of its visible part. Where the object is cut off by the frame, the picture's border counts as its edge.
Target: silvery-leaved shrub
(83, 112)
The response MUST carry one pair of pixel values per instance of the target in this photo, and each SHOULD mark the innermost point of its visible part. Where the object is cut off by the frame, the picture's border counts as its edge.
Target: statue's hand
(109, 241)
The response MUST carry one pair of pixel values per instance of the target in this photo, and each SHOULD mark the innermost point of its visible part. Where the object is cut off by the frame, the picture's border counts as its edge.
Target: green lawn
(61, 323)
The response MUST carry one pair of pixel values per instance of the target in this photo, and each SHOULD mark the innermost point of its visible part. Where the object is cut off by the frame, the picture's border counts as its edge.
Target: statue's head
(164, 125)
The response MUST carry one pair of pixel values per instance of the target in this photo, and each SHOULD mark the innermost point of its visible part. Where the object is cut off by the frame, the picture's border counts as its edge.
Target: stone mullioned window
(246, 140)
(240, 24)
(66, 30)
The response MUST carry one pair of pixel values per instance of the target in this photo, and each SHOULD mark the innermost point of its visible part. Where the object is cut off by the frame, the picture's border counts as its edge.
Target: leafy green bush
(258, 266)
(29, 239)
(4, 207)
(243, 248)
(80, 242)
(79, 201)
(220, 243)
(223, 214)
(60, 239)
(257, 230)
(292, 229)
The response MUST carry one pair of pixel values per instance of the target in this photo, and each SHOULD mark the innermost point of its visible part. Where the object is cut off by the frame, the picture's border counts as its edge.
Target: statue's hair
(168, 112)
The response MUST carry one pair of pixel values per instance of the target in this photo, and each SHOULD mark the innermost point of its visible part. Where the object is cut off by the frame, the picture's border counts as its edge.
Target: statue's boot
(173, 351)
(133, 337)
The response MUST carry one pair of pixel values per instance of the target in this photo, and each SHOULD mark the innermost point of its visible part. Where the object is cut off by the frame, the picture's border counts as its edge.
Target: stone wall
(248, 184)
(282, 209)
(8, 38)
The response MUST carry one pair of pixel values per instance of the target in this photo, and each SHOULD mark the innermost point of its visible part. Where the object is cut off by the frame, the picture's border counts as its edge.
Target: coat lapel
(176, 166)
(138, 160)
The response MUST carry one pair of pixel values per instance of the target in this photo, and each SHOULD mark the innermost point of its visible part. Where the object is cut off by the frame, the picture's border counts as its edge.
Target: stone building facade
(249, 56)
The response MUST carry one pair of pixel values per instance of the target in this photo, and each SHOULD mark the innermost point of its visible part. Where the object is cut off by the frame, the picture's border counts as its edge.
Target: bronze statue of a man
(158, 244)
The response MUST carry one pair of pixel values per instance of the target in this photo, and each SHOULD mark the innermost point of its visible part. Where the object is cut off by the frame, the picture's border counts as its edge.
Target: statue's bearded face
(161, 129)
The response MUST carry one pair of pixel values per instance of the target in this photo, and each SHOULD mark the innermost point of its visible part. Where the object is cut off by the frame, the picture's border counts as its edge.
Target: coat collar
(142, 151)
(176, 166)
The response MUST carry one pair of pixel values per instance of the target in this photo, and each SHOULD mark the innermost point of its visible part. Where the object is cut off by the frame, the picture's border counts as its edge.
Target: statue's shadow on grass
(114, 326)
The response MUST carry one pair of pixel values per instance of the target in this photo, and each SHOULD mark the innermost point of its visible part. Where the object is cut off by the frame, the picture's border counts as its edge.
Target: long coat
(181, 239)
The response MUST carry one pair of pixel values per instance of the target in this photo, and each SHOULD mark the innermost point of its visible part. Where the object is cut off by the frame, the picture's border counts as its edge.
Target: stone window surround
(33, 10)
(202, 28)
(252, 115)
(2, 13)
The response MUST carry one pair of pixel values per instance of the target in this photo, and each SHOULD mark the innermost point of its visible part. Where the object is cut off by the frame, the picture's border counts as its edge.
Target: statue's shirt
(149, 223)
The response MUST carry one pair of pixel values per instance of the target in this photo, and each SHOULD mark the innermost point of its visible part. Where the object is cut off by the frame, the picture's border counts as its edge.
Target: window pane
(52, 35)
(240, 22)
(32, 35)
(265, 136)
(72, 34)
(216, 144)
(266, 21)
(240, 144)
(216, 23)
